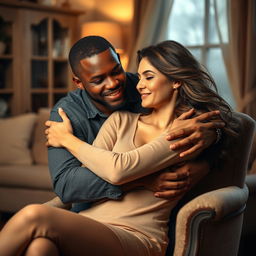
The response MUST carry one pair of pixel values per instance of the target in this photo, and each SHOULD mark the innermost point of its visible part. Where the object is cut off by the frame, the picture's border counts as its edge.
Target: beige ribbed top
(115, 158)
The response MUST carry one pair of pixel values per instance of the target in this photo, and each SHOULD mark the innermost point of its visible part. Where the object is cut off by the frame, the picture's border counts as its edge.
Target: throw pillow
(15, 134)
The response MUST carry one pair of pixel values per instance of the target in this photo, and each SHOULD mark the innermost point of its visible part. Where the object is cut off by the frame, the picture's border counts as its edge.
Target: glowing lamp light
(109, 30)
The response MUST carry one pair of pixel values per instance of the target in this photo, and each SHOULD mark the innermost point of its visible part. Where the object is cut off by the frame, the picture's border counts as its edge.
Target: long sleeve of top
(71, 181)
(121, 167)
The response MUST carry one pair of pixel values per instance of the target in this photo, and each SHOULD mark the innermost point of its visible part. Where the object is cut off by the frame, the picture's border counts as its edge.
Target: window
(192, 23)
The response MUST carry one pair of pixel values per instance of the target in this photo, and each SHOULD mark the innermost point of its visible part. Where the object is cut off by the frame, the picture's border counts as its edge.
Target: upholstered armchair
(249, 227)
(210, 223)
(247, 243)
(210, 220)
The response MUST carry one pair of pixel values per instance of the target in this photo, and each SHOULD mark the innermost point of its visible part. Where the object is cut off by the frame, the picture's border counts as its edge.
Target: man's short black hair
(87, 47)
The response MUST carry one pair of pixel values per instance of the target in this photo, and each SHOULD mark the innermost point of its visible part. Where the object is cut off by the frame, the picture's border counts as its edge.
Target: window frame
(204, 50)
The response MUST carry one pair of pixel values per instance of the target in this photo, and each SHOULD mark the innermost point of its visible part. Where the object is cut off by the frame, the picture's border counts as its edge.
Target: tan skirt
(134, 243)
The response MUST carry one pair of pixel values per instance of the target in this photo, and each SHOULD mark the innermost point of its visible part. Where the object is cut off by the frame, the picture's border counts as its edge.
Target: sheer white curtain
(149, 26)
(239, 51)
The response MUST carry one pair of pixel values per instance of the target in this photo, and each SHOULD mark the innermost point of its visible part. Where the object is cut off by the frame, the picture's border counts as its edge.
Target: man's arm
(174, 182)
(197, 134)
(115, 167)
(73, 183)
(169, 186)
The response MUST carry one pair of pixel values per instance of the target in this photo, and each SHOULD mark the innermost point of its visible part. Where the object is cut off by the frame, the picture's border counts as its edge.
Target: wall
(107, 10)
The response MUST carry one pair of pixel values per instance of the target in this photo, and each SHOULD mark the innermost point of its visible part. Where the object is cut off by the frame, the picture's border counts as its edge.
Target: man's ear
(78, 83)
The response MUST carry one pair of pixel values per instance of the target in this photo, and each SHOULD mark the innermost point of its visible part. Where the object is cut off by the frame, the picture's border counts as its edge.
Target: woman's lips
(144, 95)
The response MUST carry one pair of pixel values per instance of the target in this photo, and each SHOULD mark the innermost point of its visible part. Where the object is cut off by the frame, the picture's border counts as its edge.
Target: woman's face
(156, 89)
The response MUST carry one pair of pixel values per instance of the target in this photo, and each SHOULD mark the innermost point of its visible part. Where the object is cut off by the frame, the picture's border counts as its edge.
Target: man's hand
(169, 184)
(173, 183)
(198, 133)
(190, 174)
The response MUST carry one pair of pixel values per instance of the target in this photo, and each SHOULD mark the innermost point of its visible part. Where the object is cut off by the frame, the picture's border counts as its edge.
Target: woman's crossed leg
(44, 230)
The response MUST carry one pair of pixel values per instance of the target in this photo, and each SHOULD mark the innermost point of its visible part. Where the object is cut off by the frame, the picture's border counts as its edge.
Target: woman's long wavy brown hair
(198, 89)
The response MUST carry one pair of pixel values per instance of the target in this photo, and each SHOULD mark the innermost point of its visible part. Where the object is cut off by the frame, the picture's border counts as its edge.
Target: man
(104, 87)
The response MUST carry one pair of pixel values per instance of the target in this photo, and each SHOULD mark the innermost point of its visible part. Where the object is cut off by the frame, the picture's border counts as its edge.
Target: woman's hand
(196, 133)
(57, 132)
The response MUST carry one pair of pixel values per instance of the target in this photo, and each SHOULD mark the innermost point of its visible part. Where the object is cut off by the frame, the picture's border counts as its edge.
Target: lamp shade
(109, 30)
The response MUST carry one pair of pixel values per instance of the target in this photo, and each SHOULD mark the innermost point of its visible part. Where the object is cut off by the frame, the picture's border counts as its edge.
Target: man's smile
(116, 94)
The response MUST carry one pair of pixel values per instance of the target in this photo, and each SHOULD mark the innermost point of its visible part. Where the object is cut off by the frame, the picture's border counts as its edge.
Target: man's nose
(111, 82)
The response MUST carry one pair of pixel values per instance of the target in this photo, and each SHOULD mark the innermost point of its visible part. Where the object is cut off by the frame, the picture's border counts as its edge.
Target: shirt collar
(90, 109)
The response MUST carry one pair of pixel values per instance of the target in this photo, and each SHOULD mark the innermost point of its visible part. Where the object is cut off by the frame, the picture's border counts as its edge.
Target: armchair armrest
(211, 223)
(250, 181)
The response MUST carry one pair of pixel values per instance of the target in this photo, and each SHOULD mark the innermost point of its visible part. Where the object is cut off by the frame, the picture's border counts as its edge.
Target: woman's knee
(41, 247)
(34, 213)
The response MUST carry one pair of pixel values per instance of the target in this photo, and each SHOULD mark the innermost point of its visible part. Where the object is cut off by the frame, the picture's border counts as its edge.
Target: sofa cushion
(15, 138)
(39, 150)
(25, 176)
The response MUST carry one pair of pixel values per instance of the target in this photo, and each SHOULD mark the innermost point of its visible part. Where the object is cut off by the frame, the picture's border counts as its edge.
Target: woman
(128, 146)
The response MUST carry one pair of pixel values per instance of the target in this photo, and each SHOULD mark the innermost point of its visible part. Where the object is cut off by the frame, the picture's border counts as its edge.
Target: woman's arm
(116, 168)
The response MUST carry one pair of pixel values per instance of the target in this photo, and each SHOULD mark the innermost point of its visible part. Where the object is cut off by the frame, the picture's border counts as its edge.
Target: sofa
(24, 173)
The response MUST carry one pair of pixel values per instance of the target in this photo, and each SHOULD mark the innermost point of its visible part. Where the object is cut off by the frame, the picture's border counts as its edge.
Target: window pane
(186, 22)
(197, 52)
(213, 37)
(221, 8)
(217, 69)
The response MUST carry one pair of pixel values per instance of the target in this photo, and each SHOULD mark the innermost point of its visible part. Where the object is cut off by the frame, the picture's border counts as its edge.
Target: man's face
(103, 77)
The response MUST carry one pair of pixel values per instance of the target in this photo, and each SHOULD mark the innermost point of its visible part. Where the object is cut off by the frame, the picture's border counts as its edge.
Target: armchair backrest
(214, 226)
(233, 169)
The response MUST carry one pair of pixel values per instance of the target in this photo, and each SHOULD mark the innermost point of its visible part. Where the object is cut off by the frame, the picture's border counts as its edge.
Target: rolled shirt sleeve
(71, 182)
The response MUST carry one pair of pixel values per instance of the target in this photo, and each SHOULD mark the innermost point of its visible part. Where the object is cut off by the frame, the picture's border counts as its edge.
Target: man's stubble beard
(109, 106)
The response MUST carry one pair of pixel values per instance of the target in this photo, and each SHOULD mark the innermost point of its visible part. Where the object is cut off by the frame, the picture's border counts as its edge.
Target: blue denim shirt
(71, 182)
